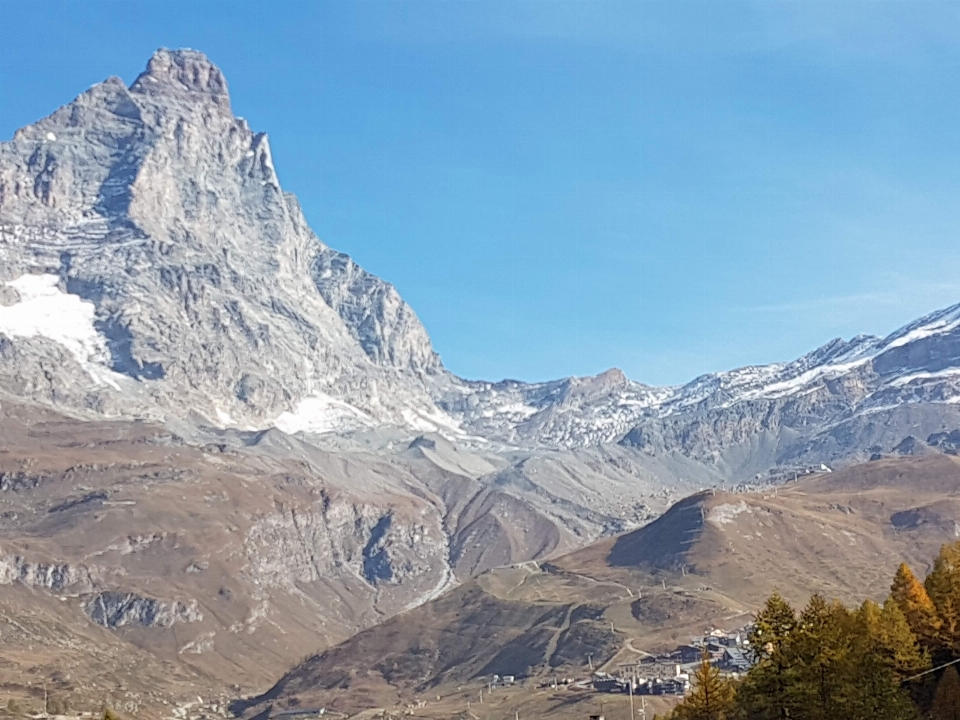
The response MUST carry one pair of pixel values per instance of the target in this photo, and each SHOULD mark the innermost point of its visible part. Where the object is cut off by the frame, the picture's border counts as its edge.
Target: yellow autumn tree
(943, 588)
(884, 651)
(896, 644)
(911, 597)
(713, 696)
(821, 657)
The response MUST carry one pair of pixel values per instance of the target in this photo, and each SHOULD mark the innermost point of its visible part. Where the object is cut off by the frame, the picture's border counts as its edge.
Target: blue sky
(562, 187)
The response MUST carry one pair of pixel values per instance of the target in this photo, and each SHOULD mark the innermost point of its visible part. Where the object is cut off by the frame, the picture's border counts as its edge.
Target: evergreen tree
(885, 632)
(821, 651)
(884, 650)
(899, 644)
(943, 588)
(713, 696)
(773, 627)
(766, 693)
(873, 692)
(946, 701)
(917, 607)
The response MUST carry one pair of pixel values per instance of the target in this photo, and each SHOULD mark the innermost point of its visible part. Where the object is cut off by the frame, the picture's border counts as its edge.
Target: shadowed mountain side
(710, 560)
(468, 633)
(664, 543)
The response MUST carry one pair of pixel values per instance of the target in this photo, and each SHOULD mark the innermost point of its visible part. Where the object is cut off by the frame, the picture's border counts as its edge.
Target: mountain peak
(269, 322)
(183, 72)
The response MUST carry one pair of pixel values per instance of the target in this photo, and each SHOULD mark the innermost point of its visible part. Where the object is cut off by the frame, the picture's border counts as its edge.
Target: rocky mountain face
(824, 406)
(224, 445)
(152, 267)
(845, 400)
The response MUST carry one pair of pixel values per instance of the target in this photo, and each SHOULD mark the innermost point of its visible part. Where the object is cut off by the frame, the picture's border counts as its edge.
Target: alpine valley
(224, 446)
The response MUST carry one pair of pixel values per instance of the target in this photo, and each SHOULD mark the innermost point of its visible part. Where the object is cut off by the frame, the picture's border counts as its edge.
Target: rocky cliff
(151, 266)
(226, 445)
(154, 267)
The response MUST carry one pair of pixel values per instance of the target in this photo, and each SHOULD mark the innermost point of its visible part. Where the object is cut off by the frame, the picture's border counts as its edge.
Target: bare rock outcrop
(115, 609)
(53, 576)
(156, 216)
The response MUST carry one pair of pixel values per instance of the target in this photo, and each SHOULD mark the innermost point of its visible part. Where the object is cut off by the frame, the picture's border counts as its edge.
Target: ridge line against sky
(562, 187)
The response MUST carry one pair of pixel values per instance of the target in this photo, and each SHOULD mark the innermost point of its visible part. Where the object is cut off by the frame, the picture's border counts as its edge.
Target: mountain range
(151, 256)
(709, 562)
(225, 445)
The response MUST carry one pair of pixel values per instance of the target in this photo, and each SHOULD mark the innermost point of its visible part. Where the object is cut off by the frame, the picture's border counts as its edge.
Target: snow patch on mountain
(430, 420)
(322, 413)
(45, 310)
(41, 309)
(936, 323)
(923, 376)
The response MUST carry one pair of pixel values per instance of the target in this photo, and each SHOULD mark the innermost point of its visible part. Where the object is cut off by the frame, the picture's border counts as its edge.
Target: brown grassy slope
(711, 560)
(836, 533)
(139, 511)
(264, 536)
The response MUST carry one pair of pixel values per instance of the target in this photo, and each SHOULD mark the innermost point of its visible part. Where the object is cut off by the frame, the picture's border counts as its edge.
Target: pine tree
(884, 650)
(917, 607)
(773, 625)
(873, 692)
(713, 696)
(943, 588)
(868, 617)
(822, 649)
(900, 645)
(946, 701)
(885, 632)
(766, 692)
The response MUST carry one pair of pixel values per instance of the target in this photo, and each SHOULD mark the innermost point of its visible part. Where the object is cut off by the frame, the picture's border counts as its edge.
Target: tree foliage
(943, 589)
(914, 602)
(767, 693)
(946, 702)
(713, 696)
(875, 662)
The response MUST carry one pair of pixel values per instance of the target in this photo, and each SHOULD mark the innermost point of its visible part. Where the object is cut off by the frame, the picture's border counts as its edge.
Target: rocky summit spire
(183, 72)
(158, 192)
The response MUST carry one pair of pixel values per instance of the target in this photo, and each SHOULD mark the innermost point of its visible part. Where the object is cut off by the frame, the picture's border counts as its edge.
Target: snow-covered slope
(837, 383)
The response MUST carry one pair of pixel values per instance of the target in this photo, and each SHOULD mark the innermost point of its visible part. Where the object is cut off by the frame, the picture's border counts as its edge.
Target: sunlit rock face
(150, 224)
(152, 266)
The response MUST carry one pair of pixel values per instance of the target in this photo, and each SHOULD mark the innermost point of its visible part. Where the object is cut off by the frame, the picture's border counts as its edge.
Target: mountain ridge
(709, 561)
(158, 191)
(225, 444)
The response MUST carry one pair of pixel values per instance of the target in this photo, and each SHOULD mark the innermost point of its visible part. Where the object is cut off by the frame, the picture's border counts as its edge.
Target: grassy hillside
(711, 560)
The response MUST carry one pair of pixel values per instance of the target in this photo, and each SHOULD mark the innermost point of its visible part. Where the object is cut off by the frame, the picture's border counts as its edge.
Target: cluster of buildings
(678, 685)
(669, 673)
(780, 476)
